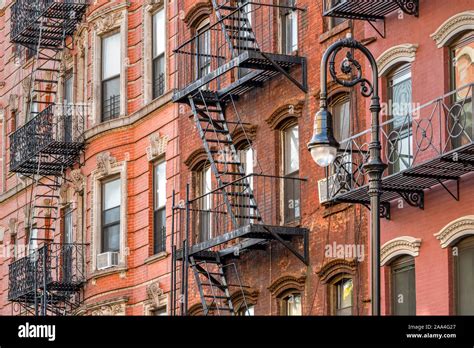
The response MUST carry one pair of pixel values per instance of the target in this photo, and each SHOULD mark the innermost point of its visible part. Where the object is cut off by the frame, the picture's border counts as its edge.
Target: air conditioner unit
(107, 260)
(330, 187)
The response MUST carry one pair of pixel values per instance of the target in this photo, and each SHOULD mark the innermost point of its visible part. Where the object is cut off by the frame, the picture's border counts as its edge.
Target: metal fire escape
(217, 65)
(48, 280)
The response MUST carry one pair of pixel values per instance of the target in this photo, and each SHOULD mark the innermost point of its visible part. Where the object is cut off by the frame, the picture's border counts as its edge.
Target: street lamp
(323, 146)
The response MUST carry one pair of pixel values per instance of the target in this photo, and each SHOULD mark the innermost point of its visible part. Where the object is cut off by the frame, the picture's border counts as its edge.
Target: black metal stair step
(237, 28)
(209, 110)
(44, 91)
(219, 141)
(243, 205)
(227, 162)
(43, 102)
(47, 196)
(46, 206)
(232, 173)
(248, 217)
(210, 273)
(244, 184)
(221, 131)
(221, 308)
(240, 194)
(218, 297)
(227, 8)
(45, 228)
(45, 217)
(51, 59)
(46, 81)
(242, 38)
(246, 48)
(48, 70)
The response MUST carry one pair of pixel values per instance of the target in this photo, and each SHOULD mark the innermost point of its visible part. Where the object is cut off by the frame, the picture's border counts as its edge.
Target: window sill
(157, 257)
(295, 223)
(334, 31)
(96, 274)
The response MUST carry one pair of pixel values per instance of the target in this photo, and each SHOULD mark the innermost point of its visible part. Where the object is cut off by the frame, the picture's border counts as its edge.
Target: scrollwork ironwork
(410, 7)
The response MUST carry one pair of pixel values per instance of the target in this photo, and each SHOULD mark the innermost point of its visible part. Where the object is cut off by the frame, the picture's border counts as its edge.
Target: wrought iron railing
(111, 108)
(158, 85)
(58, 266)
(25, 13)
(409, 140)
(276, 201)
(252, 26)
(368, 10)
(56, 124)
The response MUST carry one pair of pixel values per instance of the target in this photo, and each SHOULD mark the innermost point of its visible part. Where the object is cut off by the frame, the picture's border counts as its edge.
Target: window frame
(402, 262)
(286, 38)
(462, 244)
(203, 27)
(333, 294)
(103, 226)
(284, 302)
(156, 93)
(161, 247)
(115, 113)
(205, 204)
(295, 174)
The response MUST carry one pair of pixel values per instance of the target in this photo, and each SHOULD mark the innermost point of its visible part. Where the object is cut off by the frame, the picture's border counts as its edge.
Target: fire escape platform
(251, 235)
(370, 10)
(262, 71)
(436, 171)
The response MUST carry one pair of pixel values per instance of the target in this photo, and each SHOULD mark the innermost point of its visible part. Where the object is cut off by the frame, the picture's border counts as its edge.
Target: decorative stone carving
(335, 267)
(455, 230)
(152, 5)
(77, 180)
(26, 84)
(396, 54)
(196, 12)
(287, 282)
(242, 133)
(105, 163)
(404, 245)
(14, 102)
(285, 111)
(453, 26)
(108, 22)
(108, 308)
(156, 296)
(13, 226)
(157, 146)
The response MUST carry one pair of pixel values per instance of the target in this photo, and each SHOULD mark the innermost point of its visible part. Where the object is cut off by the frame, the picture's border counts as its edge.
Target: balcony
(238, 52)
(59, 14)
(430, 145)
(263, 208)
(368, 10)
(59, 267)
(50, 142)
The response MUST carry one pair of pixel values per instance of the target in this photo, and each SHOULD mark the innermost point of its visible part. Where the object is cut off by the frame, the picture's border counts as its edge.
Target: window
(289, 27)
(333, 21)
(67, 251)
(341, 110)
(68, 227)
(34, 109)
(291, 305)
(403, 289)
(68, 100)
(159, 312)
(462, 71)
(342, 294)
(400, 154)
(33, 240)
(111, 198)
(159, 49)
(291, 166)
(159, 210)
(205, 186)
(246, 312)
(203, 49)
(464, 271)
(111, 58)
(246, 159)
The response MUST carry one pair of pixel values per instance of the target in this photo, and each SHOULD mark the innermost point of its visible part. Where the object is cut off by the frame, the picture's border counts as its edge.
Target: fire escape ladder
(211, 277)
(224, 160)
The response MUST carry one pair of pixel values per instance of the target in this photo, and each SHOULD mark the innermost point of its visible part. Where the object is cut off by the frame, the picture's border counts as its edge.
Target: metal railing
(111, 108)
(61, 123)
(278, 202)
(255, 26)
(158, 85)
(59, 266)
(408, 140)
(25, 13)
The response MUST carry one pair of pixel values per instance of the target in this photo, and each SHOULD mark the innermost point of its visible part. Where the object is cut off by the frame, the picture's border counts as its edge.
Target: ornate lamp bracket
(410, 7)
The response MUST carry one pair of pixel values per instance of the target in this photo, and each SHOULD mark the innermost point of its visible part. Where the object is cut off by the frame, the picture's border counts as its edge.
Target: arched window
(403, 287)
(291, 170)
(462, 73)
(341, 290)
(464, 276)
(400, 147)
(203, 48)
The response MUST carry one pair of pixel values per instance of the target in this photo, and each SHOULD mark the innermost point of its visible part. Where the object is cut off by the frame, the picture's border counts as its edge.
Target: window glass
(204, 49)
(344, 289)
(289, 29)
(112, 194)
(159, 186)
(465, 277)
(111, 215)
(111, 56)
(403, 286)
(293, 305)
(205, 203)
(292, 158)
(68, 238)
(159, 33)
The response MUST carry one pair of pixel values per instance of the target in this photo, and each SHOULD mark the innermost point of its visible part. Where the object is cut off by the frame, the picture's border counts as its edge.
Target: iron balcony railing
(438, 128)
(57, 127)
(111, 108)
(276, 201)
(58, 266)
(158, 85)
(228, 49)
(368, 10)
(26, 15)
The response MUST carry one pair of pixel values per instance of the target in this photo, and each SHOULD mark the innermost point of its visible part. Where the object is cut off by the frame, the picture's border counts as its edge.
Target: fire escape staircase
(42, 155)
(254, 67)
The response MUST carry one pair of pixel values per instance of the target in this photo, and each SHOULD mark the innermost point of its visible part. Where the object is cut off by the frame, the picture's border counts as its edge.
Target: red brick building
(425, 67)
(170, 142)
